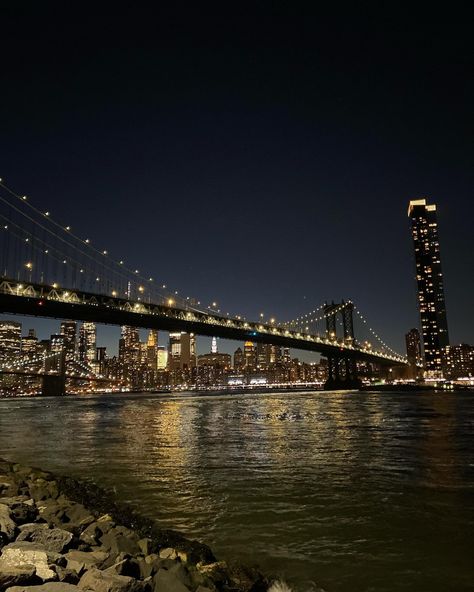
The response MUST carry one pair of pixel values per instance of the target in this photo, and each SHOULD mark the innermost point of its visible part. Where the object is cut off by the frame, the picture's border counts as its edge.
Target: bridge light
(104, 252)
(114, 293)
(68, 228)
(272, 321)
(55, 285)
(141, 289)
(46, 213)
(24, 198)
(29, 265)
(170, 302)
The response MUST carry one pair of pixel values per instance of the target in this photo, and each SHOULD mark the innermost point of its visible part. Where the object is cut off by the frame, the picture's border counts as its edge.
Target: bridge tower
(54, 385)
(342, 370)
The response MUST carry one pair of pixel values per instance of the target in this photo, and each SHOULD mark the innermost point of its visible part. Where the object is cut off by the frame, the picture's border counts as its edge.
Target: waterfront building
(239, 360)
(429, 278)
(152, 350)
(87, 343)
(162, 357)
(129, 355)
(29, 345)
(182, 351)
(69, 330)
(413, 347)
(10, 341)
(459, 361)
(250, 356)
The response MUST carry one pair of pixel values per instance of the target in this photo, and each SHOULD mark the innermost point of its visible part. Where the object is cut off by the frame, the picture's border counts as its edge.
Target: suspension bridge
(47, 270)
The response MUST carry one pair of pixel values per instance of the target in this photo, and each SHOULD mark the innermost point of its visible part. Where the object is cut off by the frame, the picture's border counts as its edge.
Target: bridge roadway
(61, 303)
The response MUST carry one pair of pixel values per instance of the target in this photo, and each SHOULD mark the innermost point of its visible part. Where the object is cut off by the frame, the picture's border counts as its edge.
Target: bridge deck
(61, 303)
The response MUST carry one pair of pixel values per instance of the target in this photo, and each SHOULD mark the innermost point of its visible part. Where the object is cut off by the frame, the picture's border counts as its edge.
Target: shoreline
(62, 534)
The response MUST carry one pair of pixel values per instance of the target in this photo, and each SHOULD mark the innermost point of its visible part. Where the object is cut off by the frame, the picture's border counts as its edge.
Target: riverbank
(58, 534)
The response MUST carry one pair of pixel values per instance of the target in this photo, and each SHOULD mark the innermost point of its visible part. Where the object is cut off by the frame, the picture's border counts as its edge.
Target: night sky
(264, 159)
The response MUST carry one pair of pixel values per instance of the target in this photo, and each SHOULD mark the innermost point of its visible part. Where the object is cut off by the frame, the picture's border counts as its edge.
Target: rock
(120, 540)
(91, 534)
(126, 567)
(144, 545)
(165, 581)
(7, 525)
(81, 560)
(101, 581)
(41, 489)
(23, 553)
(49, 587)
(168, 553)
(78, 515)
(15, 576)
(54, 539)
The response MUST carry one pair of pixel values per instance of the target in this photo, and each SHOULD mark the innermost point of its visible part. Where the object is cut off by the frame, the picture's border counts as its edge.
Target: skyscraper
(87, 343)
(429, 278)
(413, 345)
(69, 329)
(10, 341)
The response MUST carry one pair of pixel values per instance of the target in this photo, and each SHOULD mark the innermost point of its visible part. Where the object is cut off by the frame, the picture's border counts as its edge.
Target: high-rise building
(459, 361)
(87, 343)
(413, 345)
(250, 356)
(182, 351)
(10, 341)
(29, 345)
(129, 353)
(162, 357)
(239, 360)
(152, 349)
(214, 346)
(57, 349)
(429, 278)
(69, 330)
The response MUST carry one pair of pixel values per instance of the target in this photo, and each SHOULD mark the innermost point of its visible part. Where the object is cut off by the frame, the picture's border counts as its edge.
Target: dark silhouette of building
(413, 345)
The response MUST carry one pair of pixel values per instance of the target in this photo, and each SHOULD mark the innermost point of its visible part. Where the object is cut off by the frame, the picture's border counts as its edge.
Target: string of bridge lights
(117, 267)
(323, 316)
(27, 361)
(381, 341)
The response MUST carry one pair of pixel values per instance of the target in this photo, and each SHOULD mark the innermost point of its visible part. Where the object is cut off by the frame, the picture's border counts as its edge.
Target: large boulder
(82, 560)
(25, 554)
(54, 539)
(49, 587)
(168, 581)
(101, 581)
(15, 576)
(7, 525)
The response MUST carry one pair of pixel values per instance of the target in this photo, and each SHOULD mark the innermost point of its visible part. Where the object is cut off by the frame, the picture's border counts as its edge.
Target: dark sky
(263, 159)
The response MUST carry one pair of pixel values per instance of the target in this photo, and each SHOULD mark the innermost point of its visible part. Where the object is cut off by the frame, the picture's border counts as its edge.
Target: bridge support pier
(53, 385)
(342, 370)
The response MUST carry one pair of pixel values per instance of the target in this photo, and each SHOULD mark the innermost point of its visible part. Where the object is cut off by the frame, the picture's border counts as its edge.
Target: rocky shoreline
(58, 534)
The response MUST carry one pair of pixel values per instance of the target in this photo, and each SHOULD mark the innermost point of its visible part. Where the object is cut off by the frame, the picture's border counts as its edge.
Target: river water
(335, 491)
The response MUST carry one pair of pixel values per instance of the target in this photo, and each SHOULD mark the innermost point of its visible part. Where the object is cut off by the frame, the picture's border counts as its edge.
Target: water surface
(345, 492)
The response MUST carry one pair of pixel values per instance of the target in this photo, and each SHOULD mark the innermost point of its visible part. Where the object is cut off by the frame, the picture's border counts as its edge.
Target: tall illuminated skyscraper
(69, 329)
(10, 341)
(87, 342)
(429, 278)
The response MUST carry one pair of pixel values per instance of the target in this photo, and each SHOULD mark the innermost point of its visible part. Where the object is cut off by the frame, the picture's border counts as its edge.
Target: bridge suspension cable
(98, 260)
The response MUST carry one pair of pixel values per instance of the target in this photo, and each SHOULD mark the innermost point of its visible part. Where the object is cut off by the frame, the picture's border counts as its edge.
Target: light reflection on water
(349, 491)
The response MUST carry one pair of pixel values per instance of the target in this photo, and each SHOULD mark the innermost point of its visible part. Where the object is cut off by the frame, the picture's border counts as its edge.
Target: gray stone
(7, 525)
(49, 587)
(165, 581)
(23, 553)
(16, 576)
(91, 534)
(125, 567)
(118, 540)
(168, 553)
(81, 560)
(144, 545)
(78, 515)
(54, 539)
(101, 581)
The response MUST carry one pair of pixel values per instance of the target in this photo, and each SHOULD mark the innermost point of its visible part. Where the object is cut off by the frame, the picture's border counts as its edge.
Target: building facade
(429, 279)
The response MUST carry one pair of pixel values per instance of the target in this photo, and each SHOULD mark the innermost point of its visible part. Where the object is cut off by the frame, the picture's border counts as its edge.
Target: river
(336, 491)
